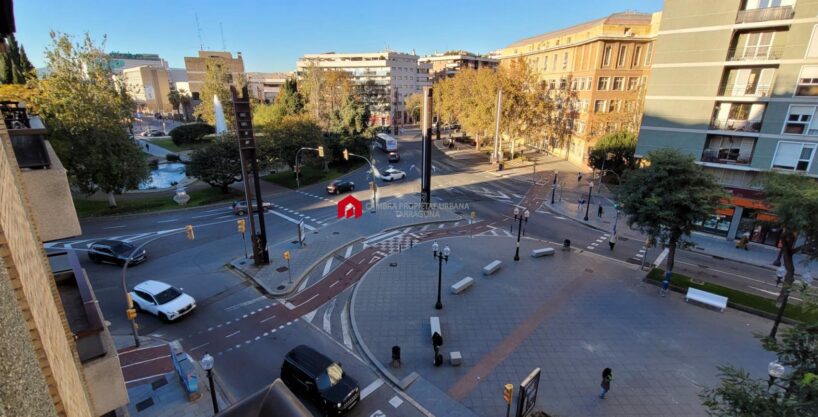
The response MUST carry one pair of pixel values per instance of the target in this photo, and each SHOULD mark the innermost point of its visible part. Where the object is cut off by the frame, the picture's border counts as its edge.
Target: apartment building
(735, 84)
(384, 79)
(149, 87)
(599, 68)
(450, 63)
(196, 68)
(120, 61)
(264, 86)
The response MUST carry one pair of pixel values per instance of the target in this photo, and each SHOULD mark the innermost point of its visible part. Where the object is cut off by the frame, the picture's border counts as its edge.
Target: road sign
(508, 390)
(528, 393)
(181, 197)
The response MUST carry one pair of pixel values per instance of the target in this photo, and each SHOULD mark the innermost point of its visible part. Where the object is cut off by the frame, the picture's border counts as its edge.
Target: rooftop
(621, 18)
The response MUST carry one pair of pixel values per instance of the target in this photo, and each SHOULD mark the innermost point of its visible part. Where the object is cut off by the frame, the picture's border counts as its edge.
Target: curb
(143, 213)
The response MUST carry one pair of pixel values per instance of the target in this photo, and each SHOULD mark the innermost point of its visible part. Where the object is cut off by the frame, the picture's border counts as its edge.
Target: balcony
(728, 150)
(765, 14)
(735, 90)
(756, 53)
(736, 125)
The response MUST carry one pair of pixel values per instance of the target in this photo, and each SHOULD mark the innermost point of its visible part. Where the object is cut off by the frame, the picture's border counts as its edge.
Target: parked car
(240, 207)
(323, 380)
(393, 157)
(340, 186)
(152, 133)
(115, 252)
(392, 174)
(157, 116)
(162, 300)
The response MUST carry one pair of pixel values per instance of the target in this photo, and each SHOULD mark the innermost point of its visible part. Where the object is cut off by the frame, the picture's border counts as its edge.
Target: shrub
(190, 133)
(172, 157)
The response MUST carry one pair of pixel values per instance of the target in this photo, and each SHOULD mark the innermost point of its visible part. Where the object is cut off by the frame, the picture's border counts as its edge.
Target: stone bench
(455, 358)
(536, 253)
(434, 324)
(462, 285)
(491, 268)
(705, 297)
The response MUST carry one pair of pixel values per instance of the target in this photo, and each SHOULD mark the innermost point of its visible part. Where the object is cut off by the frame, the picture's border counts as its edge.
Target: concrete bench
(492, 267)
(462, 285)
(434, 323)
(705, 297)
(536, 253)
(455, 358)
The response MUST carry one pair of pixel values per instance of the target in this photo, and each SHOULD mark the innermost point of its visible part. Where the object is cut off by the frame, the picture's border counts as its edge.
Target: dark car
(307, 371)
(152, 133)
(340, 186)
(240, 207)
(115, 252)
(393, 157)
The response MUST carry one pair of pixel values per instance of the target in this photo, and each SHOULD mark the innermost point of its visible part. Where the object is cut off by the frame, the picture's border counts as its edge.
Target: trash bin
(396, 356)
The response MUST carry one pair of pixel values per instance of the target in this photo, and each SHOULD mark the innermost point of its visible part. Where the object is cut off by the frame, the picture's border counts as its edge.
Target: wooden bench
(536, 253)
(705, 297)
(434, 323)
(462, 285)
(492, 267)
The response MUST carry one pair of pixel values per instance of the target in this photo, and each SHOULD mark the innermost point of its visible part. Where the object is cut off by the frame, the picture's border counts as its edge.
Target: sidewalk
(756, 254)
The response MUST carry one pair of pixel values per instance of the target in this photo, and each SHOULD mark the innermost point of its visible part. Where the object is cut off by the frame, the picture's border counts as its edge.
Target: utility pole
(426, 174)
(496, 154)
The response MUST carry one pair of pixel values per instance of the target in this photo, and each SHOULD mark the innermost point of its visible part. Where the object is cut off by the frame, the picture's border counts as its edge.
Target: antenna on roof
(224, 44)
(199, 32)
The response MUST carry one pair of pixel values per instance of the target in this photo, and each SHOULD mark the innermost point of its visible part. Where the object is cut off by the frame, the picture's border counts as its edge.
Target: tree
(795, 394)
(19, 92)
(216, 83)
(87, 114)
(414, 105)
(525, 107)
(283, 140)
(15, 67)
(287, 103)
(614, 152)
(324, 92)
(217, 163)
(351, 119)
(667, 197)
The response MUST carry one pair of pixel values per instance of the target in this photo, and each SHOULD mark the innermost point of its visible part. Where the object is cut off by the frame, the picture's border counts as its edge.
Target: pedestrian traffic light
(346, 155)
(321, 151)
(131, 312)
(189, 232)
(286, 255)
(508, 390)
(242, 225)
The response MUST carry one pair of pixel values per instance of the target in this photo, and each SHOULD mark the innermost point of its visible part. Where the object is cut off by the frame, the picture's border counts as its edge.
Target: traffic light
(321, 151)
(508, 389)
(131, 312)
(346, 155)
(189, 232)
(242, 225)
(286, 255)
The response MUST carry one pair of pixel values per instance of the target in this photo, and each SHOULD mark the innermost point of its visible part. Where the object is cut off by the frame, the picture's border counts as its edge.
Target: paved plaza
(571, 314)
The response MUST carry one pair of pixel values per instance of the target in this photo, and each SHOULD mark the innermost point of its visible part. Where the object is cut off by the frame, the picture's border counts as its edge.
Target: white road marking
(245, 303)
(348, 252)
(371, 388)
(345, 325)
(442, 225)
(309, 316)
(146, 361)
(167, 221)
(327, 267)
(113, 227)
(328, 317)
(224, 217)
(303, 284)
(199, 217)
(590, 248)
(559, 217)
(407, 230)
(200, 346)
(291, 220)
(334, 284)
(423, 229)
(233, 334)
(305, 302)
(395, 401)
(349, 272)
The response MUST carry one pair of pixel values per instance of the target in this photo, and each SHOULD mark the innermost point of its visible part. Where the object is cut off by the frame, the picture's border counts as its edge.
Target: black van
(322, 379)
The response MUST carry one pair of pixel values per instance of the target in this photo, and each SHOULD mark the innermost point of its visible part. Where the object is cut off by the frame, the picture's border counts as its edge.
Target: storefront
(744, 212)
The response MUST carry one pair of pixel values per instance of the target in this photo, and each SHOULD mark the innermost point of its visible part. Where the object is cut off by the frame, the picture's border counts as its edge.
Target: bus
(386, 142)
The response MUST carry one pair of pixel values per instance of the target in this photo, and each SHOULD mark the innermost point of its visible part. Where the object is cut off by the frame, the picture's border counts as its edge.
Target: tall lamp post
(207, 365)
(519, 219)
(554, 186)
(588, 207)
(440, 256)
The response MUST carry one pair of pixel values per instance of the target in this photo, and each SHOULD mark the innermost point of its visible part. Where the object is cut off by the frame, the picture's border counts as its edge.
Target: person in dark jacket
(607, 377)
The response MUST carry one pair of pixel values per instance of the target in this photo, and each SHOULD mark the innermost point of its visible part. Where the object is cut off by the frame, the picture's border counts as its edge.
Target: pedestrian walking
(612, 241)
(581, 203)
(147, 146)
(607, 377)
(779, 275)
(579, 176)
(599, 212)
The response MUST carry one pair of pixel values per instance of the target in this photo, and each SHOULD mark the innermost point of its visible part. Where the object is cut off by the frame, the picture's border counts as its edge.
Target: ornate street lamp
(520, 219)
(207, 365)
(588, 207)
(440, 256)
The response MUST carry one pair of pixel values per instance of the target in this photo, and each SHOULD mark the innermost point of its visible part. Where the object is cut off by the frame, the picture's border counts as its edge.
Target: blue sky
(272, 34)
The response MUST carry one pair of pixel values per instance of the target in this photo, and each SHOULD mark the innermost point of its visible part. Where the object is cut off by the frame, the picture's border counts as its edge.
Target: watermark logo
(350, 207)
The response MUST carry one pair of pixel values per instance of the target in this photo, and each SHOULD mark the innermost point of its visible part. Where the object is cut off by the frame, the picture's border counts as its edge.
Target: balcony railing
(757, 53)
(765, 14)
(736, 125)
(733, 90)
(725, 156)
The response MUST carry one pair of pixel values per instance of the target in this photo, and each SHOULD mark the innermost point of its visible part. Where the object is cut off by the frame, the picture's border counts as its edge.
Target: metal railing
(765, 14)
(755, 53)
(730, 90)
(736, 125)
(712, 156)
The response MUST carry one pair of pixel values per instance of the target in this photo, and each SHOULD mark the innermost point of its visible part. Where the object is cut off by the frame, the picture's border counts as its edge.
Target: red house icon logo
(350, 207)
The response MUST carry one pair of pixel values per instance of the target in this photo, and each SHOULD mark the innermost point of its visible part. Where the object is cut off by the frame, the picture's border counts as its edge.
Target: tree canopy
(288, 102)
(283, 140)
(217, 83)
(15, 67)
(324, 92)
(218, 163)
(614, 151)
(414, 105)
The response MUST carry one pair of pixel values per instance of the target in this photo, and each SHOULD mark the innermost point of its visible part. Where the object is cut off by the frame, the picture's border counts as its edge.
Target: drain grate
(159, 383)
(335, 233)
(143, 405)
(393, 264)
(281, 287)
(281, 269)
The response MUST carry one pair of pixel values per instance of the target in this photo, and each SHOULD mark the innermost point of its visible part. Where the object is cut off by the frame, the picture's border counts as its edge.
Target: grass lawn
(168, 144)
(311, 174)
(793, 310)
(95, 208)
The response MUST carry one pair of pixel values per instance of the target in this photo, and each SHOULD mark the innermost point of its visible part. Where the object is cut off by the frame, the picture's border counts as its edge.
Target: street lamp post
(520, 218)
(207, 365)
(297, 164)
(554, 186)
(440, 256)
(588, 207)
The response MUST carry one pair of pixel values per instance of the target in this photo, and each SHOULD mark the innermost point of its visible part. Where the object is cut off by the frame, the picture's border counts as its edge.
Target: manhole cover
(144, 404)
(589, 270)
(281, 269)
(393, 264)
(335, 233)
(281, 287)
(159, 383)
(315, 232)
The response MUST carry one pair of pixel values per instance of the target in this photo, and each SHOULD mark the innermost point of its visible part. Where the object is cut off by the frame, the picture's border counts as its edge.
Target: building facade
(384, 79)
(599, 68)
(196, 68)
(735, 84)
(449, 64)
(120, 61)
(264, 86)
(149, 87)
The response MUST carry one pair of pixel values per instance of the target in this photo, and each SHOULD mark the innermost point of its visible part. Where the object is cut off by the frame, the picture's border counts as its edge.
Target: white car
(392, 174)
(162, 300)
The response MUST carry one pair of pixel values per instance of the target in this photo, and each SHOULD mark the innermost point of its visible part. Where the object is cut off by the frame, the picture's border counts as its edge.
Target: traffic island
(571, 314)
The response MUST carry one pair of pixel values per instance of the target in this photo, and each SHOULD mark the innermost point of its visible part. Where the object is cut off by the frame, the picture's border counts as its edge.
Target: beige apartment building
(449, 64)
(196, 68)
(735, 84)
(149, 87)
(600, 67)
(264, 86)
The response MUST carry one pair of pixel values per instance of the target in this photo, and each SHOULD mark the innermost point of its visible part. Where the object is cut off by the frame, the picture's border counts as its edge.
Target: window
(793, 156)
(606, 57)
(807, 82)
(600, 106)
(563, 83)
(554, 63)
(580, 127)
(799, 121)
(812, 48)
(603, 83)
(614, 106)
(565, 60)
(728, 149)
(619, 83)
(623, 53)
(648, 53)
(758, 45)
(637, 56)
(552, 84)
(633, 83)
(574, 83)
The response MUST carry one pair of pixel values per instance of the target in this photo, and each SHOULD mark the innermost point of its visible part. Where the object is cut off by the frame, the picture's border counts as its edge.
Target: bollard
(566, 245)
(396, 356)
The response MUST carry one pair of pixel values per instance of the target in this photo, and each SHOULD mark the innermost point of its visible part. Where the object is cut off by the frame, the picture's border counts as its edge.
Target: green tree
(525, 108)
(216, 83)
(614, 152)
(217, 163)
(87, 113)
(793, 395)
(324, 92)
(15, 67)
(351, 119)
(667, 197)
(414, 105)
(287, 103)
(283, 140)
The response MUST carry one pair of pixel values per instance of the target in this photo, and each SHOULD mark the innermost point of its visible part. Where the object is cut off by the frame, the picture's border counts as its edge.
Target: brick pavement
(572, 315)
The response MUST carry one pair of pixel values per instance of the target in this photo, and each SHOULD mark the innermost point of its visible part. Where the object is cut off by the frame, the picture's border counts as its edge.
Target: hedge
(190, 133)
